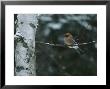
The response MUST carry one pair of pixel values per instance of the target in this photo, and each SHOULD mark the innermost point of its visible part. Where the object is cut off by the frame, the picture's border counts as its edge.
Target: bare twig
(87, 43)
(60, 45)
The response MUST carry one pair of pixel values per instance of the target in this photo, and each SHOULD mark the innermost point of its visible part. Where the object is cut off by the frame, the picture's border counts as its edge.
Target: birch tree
(25, 58)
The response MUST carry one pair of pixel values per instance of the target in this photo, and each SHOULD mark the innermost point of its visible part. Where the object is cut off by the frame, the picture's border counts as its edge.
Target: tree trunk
(25, 58)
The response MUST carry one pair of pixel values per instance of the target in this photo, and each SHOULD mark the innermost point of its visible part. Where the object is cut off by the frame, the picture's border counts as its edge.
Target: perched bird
(71, 43)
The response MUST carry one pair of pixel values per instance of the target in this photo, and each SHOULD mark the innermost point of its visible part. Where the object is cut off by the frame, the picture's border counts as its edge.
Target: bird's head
(67, 34)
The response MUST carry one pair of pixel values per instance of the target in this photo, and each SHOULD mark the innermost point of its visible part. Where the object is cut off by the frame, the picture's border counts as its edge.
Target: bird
(71, 43)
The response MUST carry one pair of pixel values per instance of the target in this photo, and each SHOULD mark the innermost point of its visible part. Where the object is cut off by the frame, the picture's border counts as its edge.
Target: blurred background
(63, 61)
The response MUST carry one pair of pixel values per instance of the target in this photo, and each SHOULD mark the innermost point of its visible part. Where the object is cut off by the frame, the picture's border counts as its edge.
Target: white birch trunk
(25, 59)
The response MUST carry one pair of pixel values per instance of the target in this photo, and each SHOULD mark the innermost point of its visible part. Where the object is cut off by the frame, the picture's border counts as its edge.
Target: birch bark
(25, 59)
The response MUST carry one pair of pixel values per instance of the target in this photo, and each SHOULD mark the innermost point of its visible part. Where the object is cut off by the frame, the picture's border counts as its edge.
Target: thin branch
(87, 43)
(60, 45)
(50, 44)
